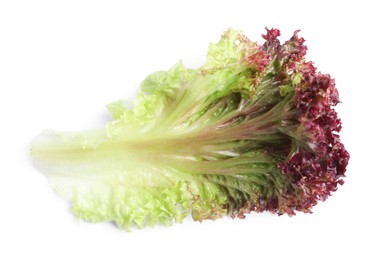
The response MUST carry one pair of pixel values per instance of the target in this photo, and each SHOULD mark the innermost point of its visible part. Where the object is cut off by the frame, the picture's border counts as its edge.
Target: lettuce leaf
(253, 129)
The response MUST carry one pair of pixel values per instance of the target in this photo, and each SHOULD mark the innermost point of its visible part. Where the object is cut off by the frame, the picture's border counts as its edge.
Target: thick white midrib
(93, 154)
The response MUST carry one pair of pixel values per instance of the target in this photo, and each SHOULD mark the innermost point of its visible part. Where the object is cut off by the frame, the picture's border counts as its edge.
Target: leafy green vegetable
(254, 129)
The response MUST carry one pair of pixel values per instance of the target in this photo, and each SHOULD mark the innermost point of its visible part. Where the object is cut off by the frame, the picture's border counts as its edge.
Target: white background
(61, 62)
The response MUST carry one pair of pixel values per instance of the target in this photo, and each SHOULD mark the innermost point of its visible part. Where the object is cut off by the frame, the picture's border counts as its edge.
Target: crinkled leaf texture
(253, 129)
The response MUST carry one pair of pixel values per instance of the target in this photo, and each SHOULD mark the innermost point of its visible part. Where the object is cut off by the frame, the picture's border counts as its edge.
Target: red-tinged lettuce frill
(318, 160)
(317, 166)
